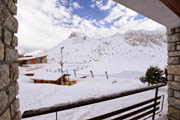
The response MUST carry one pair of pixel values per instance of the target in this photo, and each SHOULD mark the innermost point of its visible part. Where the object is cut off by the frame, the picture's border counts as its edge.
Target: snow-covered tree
(154, 75)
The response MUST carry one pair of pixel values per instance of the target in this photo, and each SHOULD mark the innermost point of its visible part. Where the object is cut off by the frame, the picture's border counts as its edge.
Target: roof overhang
(162, 12)
(30, 58)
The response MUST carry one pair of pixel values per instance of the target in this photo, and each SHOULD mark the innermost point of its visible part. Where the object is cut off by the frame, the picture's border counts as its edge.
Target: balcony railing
(148, 108)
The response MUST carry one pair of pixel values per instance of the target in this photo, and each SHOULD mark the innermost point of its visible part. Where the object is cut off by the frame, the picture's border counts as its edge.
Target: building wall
(174, 73)
(28, 62)
(38, 61)
(44, 60)
(9, 104)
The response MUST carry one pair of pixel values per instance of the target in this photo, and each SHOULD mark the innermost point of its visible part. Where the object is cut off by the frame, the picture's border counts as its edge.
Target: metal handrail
(88, 101)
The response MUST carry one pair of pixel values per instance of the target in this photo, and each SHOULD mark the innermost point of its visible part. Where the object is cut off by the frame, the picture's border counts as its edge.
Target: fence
(141, 110)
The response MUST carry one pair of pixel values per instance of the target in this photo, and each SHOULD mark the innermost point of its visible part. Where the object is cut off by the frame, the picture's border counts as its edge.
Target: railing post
(88, 101)
(92, 74)
(56, 116)
(155, 102)
(106, 75)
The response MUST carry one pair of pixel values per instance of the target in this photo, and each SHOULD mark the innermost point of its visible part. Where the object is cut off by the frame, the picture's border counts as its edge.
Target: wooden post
(155, 102)
(92, 73)
(106, 75)
(75, 75)
(62, 60)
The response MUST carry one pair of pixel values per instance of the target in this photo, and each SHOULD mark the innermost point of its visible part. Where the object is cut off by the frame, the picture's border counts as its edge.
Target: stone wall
(174, 73)
(9, 104)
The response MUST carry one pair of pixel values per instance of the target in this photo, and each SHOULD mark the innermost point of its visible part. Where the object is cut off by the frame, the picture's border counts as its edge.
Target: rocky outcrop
(145, 38)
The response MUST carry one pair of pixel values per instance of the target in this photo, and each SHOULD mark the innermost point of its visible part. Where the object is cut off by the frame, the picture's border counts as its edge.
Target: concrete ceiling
(155, 10)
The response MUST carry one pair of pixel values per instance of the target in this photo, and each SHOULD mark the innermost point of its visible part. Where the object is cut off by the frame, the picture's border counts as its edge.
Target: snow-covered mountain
(125, 57)
(127, 51)
(145, 38)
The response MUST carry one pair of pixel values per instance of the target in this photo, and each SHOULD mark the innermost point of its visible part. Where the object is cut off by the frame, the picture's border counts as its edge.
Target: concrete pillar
(174, 73)
(9, 104)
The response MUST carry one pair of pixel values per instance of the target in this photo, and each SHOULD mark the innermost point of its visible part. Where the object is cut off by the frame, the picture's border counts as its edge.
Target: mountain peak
(117, 48)
(76, 35)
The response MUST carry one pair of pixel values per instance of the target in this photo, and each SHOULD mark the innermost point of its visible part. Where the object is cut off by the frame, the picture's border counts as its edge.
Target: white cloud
(76, 20)
(36, 24)
(146, 24)
(42, 23)
(92, 5)
(101, 6)
(122, 21)
(99, 3)
(119, 11)
(76, 5)
(108, 6)
(64, 2)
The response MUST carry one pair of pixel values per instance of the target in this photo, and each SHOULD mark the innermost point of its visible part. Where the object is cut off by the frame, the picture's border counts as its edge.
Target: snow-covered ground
(124, 57)
(33, 96)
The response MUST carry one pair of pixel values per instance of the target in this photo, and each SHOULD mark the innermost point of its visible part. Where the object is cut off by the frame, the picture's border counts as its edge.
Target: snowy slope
(34, 96)
(120, 52)
(125, 56)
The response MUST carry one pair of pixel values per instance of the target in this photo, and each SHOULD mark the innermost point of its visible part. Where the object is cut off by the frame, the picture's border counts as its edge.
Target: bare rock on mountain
(77, 37)
(144, 38)
(79, 47)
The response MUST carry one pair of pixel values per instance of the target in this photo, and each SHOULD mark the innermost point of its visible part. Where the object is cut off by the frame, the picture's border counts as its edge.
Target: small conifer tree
(154, 75)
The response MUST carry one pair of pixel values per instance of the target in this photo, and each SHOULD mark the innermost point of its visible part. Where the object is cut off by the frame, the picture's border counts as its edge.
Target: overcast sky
(45, 23)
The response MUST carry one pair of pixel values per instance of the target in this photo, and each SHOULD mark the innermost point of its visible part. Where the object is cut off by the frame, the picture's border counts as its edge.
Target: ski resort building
(165, 12)
(32, 60)
(63, 80)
